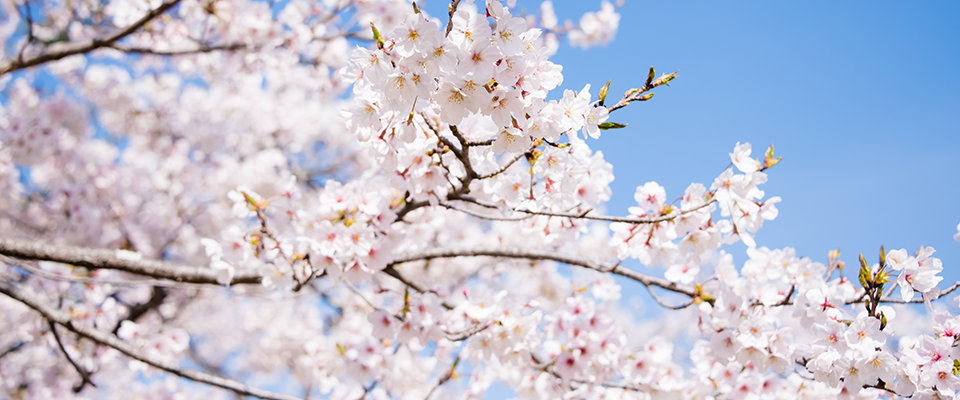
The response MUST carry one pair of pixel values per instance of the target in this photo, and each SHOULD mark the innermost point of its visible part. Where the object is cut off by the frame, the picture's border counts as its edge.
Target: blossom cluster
(421, 216)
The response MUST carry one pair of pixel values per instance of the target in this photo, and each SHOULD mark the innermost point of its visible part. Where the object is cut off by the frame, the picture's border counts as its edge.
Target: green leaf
(249, 199)
(376, 36)
(603, 92)
(665, 79)
(865, 273)
(769, 160)
(416, 10)
(612, 125)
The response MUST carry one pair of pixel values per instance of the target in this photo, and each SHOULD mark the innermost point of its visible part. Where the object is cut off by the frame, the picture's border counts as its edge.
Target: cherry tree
(354, 199)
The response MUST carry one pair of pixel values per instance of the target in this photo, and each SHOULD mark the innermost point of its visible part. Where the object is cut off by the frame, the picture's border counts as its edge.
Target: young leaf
(603, 92)
(376, 36)
(611, 125)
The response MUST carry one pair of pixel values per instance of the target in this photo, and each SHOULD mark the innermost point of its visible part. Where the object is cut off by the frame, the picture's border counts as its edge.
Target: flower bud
(603, 92)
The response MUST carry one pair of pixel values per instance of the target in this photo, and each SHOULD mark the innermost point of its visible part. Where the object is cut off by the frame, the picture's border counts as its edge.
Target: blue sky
(860, 98)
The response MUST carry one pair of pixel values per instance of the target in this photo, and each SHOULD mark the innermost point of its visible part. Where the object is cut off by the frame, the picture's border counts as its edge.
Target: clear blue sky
(860, 98)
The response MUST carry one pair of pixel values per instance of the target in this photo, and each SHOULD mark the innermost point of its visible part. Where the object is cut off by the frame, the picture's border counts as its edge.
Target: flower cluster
(416, 217)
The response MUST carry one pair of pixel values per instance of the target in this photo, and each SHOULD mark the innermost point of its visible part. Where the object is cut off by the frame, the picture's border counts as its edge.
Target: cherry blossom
(366, 201)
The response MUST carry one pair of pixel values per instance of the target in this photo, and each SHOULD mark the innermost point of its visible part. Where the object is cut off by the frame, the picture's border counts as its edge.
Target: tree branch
(107, 259)
(56, 316)
(201, 49)
(87, 46)
(487, 217)
(138, 310)
(637, 94)
(629, 220)
(467, 333)
(390, 270)
(507, 252)
(446, 377)
(885, 299)
(84, 374)
(543, 366)
(451, 10)
(505, 167)
(93, 281)
(665, 305)
(12, 349)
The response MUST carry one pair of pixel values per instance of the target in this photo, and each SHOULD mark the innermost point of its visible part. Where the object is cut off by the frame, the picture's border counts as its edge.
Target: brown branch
(107, 259)
(138, 310)
(87, 46)
(56, 316)
(488, 142)
(451, 10)
(637, 93)
(390, 270)
(629, 220)
(665, 305)
(94, 281)
(545, 367)
(201, 49)
(27, 19)
(446, 377)
(12, 349)
(505, 167)
(467, 333)
(462, 153)
(530, 254)
(786, 299)
(947, 291)
(84, 374)
(487, 217)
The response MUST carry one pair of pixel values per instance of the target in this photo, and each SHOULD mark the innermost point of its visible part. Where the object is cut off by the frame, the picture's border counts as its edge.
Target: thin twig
(202, 49)
(544, 366)
(503, 168)
(87, 46)
(84, 374)
(451, 10)
(12, 349)
(390, 270)
(467, 333)
(488, 217)
(636, 94)
(446, 377)
(786, 299)
(109, 340)
(629, 220)
(665, 305)
(530, 254)
(28, 19)
(138, 310)
(949, 290)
